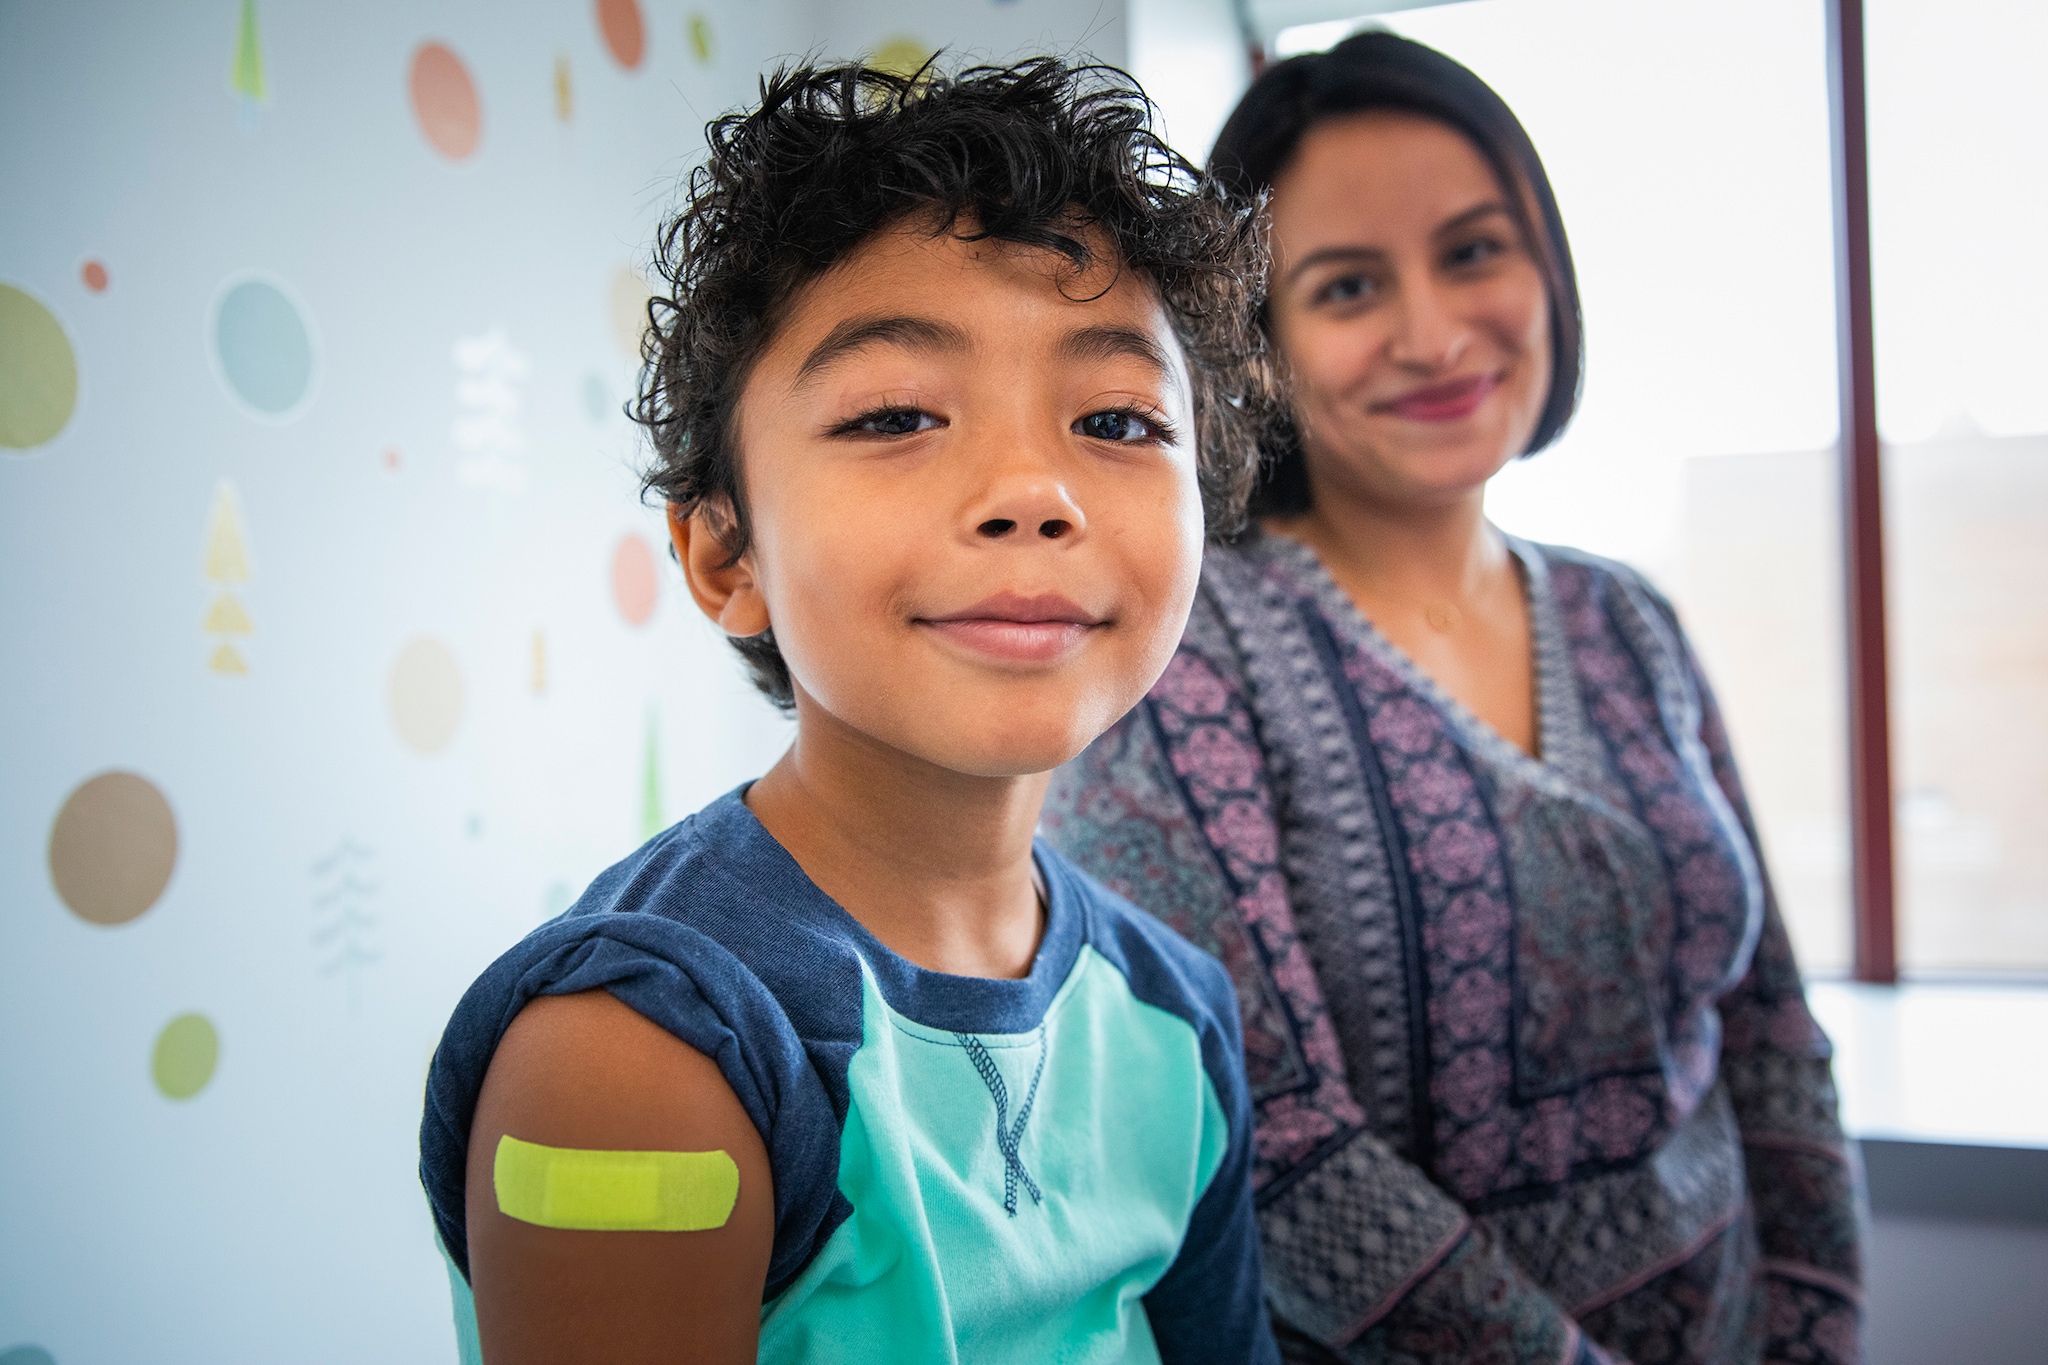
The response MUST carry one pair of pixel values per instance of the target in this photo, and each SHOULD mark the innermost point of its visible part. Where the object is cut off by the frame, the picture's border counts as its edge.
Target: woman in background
(1535, 1073)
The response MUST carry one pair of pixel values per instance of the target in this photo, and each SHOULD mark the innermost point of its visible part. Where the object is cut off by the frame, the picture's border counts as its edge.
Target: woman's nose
(1428, 332)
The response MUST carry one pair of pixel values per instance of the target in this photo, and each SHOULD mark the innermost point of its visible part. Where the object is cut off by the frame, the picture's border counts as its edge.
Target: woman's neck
(934, 863)
(1444, 552)
(1440, 585)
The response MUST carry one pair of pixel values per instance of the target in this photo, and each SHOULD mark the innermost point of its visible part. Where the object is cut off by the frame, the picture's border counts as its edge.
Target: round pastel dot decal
(624, 34)
(186, 1053)
(444, 101)
(112, 848)
(27, 1355)
(901, 55)
(94, 274)
(629, 297)
(38, 372)
(700, 38)
(634, 585)
(597, 401)
(425, 695)
(263, 346)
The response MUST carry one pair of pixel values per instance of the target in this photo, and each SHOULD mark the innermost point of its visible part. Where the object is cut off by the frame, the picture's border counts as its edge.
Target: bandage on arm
(619, 1201)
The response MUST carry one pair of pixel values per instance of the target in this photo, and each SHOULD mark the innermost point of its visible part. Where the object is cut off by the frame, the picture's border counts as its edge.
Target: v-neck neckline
(1561, 723)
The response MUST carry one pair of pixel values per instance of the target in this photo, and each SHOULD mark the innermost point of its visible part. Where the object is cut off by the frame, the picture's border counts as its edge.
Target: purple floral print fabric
(1534, 1072)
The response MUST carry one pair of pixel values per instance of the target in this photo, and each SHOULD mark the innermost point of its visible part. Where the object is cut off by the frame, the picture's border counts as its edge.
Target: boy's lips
(1016, 628)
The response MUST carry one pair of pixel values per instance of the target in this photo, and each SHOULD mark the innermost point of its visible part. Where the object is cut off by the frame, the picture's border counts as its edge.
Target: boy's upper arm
(586, 1072)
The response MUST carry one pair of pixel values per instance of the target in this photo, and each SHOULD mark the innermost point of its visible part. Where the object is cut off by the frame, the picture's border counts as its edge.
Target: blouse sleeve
(1366, 1259)
(1803, 1175)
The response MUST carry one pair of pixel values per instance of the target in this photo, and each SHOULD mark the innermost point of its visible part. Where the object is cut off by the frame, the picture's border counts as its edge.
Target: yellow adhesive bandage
(564, 1187)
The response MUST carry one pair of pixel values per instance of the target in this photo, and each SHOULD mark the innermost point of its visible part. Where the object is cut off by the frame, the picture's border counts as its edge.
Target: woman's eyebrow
(1350, 255)
(857, 334)
(1472, 215)
(1110, 342)
(1365, 255)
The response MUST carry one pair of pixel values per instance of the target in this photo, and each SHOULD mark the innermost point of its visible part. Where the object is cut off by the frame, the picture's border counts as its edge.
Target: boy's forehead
(916, 265)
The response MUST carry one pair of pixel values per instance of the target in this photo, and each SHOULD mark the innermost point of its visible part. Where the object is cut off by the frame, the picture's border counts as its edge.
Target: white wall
(1192, 58)
(456, 470)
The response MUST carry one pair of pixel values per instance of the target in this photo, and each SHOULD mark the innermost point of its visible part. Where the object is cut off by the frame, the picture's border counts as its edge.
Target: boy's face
(971, 476)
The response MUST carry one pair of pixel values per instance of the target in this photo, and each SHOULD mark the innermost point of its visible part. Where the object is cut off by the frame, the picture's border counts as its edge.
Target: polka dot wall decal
(26, 1355)
(113, 846)
(634, 585)
(902, 55)
(699, 29)
(263, 348)
(38, 372)
(624, 34)
(186, 1053)
(444, 101)
(597, 400)
(629, 295)
(425, 695)
(94, 274)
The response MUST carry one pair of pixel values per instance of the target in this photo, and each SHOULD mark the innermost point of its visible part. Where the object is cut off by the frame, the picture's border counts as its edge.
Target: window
(1958, 147)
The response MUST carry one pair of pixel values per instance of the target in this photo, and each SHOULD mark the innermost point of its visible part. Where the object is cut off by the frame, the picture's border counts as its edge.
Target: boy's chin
(1007, 754)
(1004, 746)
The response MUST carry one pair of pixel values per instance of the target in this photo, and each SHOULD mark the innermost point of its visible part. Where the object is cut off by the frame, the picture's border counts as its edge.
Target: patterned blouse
(1535, 1076)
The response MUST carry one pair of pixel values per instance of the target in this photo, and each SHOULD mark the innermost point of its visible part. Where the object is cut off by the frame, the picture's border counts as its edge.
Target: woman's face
(1409, 308)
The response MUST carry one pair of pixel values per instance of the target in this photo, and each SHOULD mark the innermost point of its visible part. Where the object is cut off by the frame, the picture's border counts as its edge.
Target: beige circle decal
(426, 696)
(112, 848)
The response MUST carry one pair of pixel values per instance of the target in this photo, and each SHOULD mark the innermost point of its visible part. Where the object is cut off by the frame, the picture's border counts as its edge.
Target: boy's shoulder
(1161, 968)
(711, 931)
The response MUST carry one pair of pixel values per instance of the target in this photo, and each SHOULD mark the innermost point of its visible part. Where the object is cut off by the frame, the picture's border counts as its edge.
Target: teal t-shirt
(1048, 1169)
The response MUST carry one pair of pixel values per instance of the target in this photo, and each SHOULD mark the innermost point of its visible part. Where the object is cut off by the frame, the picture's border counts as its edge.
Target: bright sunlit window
(1959, 187)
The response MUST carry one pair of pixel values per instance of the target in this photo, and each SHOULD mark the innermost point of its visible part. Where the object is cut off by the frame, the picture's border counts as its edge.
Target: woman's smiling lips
(1446, 402)
(1016, 628)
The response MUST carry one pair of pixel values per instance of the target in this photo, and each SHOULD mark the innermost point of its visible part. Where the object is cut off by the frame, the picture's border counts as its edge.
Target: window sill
(1939, 1063)
(1946, 1088)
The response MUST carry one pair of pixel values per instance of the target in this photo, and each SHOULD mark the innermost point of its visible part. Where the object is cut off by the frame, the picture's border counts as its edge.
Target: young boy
(845, 1067)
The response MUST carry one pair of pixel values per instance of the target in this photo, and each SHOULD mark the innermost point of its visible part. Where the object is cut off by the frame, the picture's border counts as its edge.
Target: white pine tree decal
(225, 563)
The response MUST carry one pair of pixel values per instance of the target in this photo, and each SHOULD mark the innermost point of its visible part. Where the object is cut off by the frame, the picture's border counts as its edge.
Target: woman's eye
(1120, 424)
(1476, 252)
(894, 422)
(1345, 289)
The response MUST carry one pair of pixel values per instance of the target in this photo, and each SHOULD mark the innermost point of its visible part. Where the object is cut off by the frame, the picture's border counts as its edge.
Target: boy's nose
(1026, 496)
(1052, 528)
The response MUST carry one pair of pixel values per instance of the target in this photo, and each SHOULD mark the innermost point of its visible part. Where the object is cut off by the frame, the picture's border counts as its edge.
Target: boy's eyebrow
(855, 334)
(1108, 343)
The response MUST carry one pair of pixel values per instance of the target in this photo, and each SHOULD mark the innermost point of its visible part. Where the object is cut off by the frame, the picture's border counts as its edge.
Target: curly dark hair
(1038, 153)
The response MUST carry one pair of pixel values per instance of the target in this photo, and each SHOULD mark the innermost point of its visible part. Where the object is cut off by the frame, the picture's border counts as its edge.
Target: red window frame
(1871, 844)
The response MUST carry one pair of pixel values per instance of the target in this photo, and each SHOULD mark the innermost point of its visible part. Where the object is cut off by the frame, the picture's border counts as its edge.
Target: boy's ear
(725, 590)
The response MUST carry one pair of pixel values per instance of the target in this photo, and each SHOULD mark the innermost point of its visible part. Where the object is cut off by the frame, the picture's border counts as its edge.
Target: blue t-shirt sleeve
(690, 985)
(1210, 1304)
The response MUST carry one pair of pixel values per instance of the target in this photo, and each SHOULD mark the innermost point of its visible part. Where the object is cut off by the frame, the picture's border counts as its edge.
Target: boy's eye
(892, 422)
(1120, 424)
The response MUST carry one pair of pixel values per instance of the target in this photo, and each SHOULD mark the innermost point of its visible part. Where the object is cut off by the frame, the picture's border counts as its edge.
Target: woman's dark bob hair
(1064, 158)
(1378, 70)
